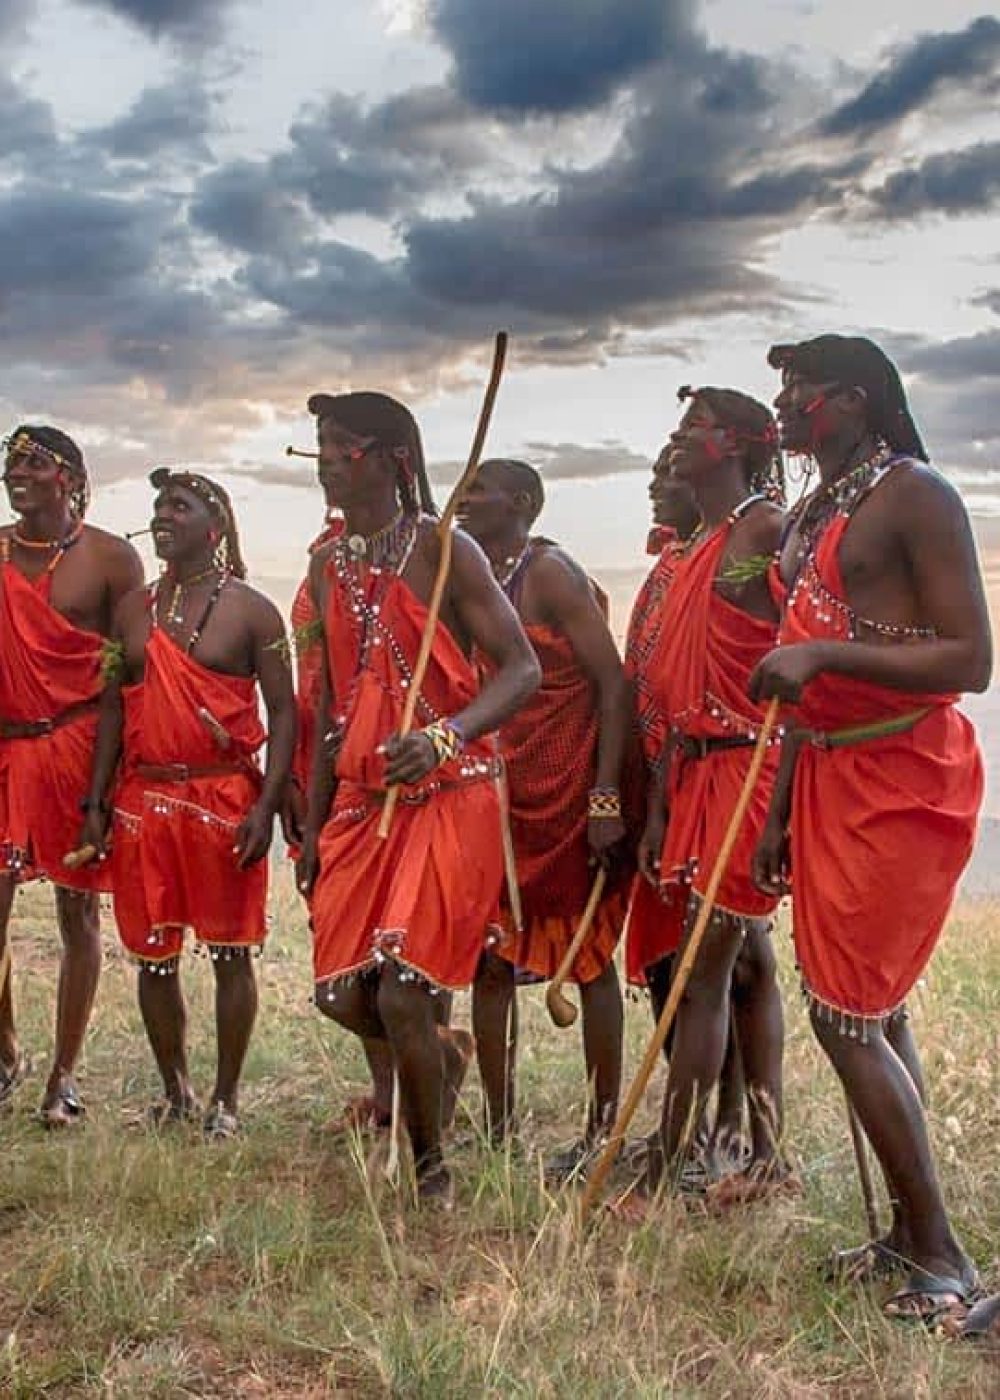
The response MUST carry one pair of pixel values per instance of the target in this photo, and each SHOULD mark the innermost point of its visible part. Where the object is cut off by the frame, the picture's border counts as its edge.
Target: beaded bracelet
(604, 802)
(446, 738)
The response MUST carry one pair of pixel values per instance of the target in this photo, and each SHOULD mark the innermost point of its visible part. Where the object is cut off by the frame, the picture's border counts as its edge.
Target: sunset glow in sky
(213, 207)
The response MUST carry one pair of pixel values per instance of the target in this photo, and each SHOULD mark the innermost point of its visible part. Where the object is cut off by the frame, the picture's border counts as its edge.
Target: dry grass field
(141, 1265)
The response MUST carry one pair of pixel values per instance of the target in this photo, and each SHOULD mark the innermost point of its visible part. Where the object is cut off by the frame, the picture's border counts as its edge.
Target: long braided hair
(228, 555)
(750, 430)
(855, 362)
(368, 413)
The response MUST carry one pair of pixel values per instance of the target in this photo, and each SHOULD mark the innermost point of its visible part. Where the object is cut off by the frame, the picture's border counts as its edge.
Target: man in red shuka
(60, 581)
(885, 622)
(193, 812)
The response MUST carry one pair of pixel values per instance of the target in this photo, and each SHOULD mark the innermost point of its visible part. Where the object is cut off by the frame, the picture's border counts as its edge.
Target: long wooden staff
(604, 1163)
(559, 1006)
(444, 563)
(5, 965)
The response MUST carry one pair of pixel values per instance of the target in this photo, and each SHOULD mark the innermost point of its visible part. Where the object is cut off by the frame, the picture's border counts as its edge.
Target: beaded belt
(38, 728)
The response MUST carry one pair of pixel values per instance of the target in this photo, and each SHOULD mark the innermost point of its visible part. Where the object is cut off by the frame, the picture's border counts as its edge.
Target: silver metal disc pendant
(358, 545)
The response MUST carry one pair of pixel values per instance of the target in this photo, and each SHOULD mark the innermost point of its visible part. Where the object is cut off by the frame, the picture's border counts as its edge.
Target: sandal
(220, 1123)
(864, 1263)
(927, 1298)
(982, 1324)
(64, 1109)
(11, 1076)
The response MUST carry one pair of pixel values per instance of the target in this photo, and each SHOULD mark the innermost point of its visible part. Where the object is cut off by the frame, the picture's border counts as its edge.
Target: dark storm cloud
(557, 55)
(969, 357)
(67, 241)
(952, 182)
(181, 19)
(919, 71)
(246, 209)
(172, 121)
(27, 128)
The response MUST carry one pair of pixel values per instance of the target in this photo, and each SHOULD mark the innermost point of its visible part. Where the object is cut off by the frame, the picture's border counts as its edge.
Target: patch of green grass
(284, 1264)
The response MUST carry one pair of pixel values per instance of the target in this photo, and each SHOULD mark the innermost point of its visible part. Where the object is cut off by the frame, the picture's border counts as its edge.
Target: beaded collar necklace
(837, 497)
(385, 546)
(58, 546)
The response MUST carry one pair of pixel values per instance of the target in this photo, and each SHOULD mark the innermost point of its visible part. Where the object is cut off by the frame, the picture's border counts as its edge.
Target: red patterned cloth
(880, 831)
(172, 851)
(707, 651)
(47, 666)
(427, 896)
(550, 748)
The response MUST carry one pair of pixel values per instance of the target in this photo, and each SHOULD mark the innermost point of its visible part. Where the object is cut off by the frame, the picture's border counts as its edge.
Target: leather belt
(697, 747)
(185, 772)
(38, 728)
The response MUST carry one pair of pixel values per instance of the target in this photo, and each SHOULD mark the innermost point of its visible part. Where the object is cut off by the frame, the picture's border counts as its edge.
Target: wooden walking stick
(444, 563)
(864, 1171)
(604, 1163)
(558, 1005)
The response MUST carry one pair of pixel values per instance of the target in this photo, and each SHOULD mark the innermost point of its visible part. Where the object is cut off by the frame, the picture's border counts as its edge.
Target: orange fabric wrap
(427, 894)
(550, 748)
(46, 665)
(648, 909)
(172, 853)
(882, 830)
(707, 650)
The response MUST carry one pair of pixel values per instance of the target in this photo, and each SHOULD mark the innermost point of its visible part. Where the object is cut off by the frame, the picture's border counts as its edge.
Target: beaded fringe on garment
(851, 1024)
(387, 947)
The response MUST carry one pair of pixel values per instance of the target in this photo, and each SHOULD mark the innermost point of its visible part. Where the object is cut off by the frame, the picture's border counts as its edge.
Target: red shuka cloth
(881, 830)
(647, 908)
(172, 854)
(708, 649)
(427, 895)
(550, 749)
(46, 665)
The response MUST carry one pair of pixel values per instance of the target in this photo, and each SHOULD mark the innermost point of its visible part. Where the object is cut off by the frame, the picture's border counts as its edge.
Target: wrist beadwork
(604, 802)
(446, 738)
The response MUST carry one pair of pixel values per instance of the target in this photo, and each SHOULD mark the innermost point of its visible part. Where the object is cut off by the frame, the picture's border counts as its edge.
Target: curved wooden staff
(444, 563)
(604, 1163)
(558, 1005)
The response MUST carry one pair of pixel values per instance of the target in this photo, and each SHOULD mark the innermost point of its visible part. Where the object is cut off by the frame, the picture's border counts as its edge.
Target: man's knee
(78, 914)
(347, 1004)
(405, 1004)
(756, 966)
(494, 976)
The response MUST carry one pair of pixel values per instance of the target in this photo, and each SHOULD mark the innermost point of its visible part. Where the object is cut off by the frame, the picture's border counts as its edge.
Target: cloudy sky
(211, 208)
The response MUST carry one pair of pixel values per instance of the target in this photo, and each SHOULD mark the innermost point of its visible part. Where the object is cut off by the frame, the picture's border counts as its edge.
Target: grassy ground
(132, 1265)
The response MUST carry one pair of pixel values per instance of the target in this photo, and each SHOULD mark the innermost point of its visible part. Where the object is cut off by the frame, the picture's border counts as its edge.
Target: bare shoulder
(916, 487)
(763, 528)
(114, 548)
(260, 612)
(467, 555)
(553, 569)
